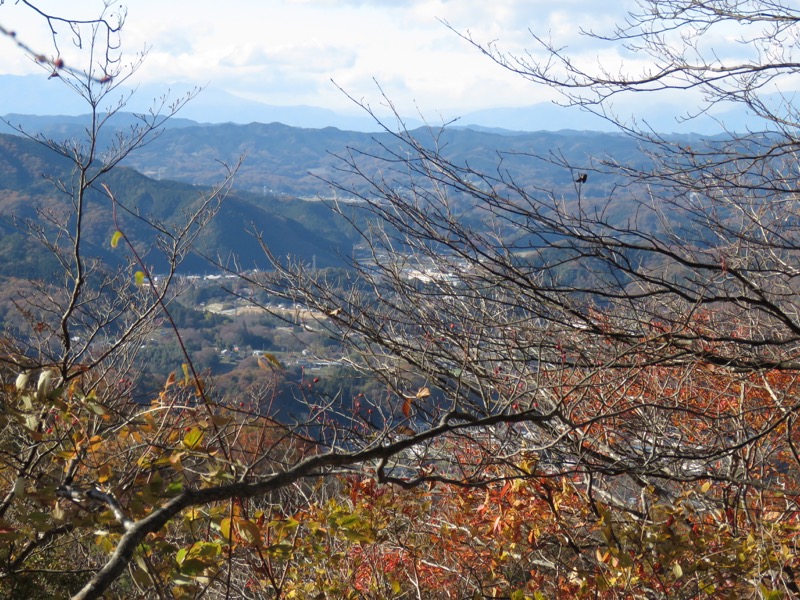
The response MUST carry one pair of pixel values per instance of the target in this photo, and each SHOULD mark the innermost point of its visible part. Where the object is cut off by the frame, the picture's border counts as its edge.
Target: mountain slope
(27, 170)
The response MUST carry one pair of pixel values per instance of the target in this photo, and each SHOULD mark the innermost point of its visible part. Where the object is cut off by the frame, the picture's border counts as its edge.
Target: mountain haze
(300, 162)
(39, 95)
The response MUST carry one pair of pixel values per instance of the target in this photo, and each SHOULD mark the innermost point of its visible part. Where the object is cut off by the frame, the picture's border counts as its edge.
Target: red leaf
(406, 408)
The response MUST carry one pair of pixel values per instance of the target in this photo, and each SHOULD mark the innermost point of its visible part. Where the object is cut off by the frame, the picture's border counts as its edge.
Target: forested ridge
(298, 162)
(28, 170)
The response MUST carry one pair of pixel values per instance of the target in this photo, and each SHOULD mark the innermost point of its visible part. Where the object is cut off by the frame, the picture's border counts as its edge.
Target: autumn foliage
(556, 399)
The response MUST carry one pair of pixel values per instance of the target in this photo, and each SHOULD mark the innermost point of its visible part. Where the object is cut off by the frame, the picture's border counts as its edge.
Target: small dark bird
(582, 178)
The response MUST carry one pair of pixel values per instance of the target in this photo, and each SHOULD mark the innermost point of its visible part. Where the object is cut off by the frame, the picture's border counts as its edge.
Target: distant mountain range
(285, 171)
(288, 161)
(38, 95)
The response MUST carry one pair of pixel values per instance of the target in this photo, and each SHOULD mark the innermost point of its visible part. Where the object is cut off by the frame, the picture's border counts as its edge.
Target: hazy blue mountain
(300, 162)
(38, 95)
(657, 116)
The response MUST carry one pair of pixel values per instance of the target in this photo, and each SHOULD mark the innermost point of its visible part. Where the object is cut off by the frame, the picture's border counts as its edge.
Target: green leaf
(349, 521)
(40, 520)
(205, 549)
(174, 488)
(199, 557)
(356, 536)
(116, 238)
(769, 594)
(97, 409)
(105, 542)
(139, 277)
(194, 566)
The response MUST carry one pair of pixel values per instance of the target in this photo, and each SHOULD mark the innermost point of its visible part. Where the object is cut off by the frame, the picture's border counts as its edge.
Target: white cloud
(299, 46)
(287, 51)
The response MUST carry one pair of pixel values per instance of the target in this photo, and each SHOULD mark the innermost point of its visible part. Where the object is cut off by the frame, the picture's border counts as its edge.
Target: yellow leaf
(139, 277)
(104, 473)
(225, 528)
(677, 571)
(248, 531)
(19, 487)
(272, 361)
(95, 443)
(116, 238)
(423, 393)
(192, 439)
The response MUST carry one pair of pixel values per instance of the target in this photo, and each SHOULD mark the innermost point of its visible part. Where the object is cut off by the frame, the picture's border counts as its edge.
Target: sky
(410, 53)
(289, 52)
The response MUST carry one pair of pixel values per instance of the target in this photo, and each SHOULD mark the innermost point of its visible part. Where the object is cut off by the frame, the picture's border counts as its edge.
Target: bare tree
(632, 342)
(78, 332)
